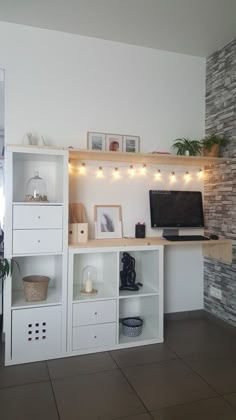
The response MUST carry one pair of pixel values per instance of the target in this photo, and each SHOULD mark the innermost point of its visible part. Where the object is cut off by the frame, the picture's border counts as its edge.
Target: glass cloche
(36, 189)
(89, 279)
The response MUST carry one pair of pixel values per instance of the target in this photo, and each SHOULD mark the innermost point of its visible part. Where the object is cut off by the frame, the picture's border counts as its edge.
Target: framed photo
(114, 142)
(108, 221)
(131, 144)
(96, 141)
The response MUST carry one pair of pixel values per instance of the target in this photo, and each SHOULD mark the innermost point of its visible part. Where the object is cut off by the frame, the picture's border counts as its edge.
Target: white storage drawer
(36, 333)
(37, 217)
(97, 312)
(37, 241)
(94, 336)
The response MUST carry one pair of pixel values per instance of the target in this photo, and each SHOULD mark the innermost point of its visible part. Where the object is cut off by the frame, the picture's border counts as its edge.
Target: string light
(100, 172)
(143, 170)
(116, 173)
(200, 173)
(172, 177)
(82, 169)
(131, 170)
(158, 174)
(187, 176)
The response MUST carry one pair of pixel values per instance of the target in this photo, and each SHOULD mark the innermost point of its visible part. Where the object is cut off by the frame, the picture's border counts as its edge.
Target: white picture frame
(131, 144)
(96, 141)
(108, 221)
(114, 142)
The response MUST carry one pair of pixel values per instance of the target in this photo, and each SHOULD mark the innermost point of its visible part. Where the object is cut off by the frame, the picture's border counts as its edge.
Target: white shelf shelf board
(37, 203)
(19, 302)
(103, 294)
(143, 291)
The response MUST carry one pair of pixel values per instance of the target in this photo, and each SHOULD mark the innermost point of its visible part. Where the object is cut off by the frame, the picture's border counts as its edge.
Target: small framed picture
(108, 221)
(114, 142)
(131, 144)
(96, 141)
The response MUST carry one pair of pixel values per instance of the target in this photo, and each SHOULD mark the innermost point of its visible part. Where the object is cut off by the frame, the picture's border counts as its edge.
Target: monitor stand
(170, 232)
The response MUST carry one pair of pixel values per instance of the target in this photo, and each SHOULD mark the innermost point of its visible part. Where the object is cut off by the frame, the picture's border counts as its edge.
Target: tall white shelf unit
(94, 320)
(36, 237)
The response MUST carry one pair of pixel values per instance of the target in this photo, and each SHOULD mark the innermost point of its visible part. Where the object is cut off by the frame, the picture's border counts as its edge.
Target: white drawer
(37, 217)
(36, 333)
(87, 313)
(94, 336)
(37, 241)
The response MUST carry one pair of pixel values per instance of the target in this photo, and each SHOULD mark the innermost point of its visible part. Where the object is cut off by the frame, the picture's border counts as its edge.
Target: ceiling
(195, 27)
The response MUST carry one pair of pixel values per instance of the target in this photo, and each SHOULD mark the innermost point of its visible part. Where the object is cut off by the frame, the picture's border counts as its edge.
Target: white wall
(63, 85)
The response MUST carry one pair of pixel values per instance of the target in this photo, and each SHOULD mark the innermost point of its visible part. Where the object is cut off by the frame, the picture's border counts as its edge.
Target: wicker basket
(35, 288)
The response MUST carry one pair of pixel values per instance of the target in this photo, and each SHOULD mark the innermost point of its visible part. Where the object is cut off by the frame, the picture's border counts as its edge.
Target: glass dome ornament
(89, 279)
(36, 189)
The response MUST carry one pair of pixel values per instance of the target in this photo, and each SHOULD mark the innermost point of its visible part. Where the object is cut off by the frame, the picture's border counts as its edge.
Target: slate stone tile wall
(220, 180)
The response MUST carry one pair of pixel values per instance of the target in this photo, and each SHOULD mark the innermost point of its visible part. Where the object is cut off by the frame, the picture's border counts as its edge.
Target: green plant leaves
(194, 147)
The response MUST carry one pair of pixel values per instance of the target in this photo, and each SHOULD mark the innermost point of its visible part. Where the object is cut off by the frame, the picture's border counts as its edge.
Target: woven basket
(35, 288)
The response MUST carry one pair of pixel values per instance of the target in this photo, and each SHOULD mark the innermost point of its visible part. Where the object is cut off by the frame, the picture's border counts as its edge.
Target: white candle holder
(89, 279)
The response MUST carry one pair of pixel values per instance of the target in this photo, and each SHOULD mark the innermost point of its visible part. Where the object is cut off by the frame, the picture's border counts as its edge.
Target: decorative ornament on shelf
(89, 279)
(211, 144)
(36, 189)
(27, 139)
(187, 147)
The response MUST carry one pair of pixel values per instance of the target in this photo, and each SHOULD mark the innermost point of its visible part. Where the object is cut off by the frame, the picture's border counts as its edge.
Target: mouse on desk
(213, 236)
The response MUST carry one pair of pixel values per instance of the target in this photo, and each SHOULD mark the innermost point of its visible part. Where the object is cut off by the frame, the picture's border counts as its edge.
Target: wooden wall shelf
(151, 158)
(220, 249)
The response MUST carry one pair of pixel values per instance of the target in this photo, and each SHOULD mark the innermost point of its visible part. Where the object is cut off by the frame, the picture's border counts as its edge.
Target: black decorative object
(140, 230)
(128, 274)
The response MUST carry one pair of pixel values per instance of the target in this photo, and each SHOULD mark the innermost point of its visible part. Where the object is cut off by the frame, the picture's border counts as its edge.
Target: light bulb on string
(172, 177)
(200, 173)
(143, 170)
(116, 174)
(158, 174)
(100, 172)
(131, 170)
(82, 169)
(187, 176)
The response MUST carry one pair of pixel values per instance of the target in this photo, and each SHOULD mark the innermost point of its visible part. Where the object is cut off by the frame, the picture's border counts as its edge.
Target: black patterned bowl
(132, 327)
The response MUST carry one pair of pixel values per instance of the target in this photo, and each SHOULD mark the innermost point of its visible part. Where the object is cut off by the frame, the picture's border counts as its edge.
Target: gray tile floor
(192, 376)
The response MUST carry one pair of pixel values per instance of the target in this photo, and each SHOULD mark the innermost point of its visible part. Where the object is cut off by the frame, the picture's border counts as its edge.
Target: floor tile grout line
(25, 384)
(140, 399)
(53, 393)
(198, 374)
(231, 405)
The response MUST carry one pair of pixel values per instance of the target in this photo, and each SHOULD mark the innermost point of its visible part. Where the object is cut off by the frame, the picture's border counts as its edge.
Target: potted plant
(211, 144)
(187, 147)
(5, 267)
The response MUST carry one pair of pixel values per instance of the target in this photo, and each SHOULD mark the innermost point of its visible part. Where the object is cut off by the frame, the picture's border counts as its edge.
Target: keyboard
(186, 238)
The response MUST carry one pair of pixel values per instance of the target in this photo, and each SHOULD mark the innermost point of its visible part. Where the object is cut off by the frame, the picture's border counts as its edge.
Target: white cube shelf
(94, 321)
(36, 333)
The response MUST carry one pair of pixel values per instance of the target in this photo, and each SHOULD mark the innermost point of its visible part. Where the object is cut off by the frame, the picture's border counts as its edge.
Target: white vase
(186, 153)
(26, 139)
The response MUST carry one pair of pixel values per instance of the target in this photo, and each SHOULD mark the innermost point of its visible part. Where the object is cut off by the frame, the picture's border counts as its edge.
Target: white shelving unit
(36, 237)
(94, 320)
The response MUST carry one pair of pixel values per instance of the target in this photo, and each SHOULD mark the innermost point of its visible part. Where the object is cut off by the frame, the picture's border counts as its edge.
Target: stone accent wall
(220, 180)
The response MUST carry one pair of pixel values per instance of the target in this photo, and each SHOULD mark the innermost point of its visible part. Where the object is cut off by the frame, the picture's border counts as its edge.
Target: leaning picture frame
(114, 142)
(108, 221)
(96, 141)
(131, 144)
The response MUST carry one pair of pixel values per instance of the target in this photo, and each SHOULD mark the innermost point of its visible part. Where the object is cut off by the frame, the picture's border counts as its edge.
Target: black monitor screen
(176, 208)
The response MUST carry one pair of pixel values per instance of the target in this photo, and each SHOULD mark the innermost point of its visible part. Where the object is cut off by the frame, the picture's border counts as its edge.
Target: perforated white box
(36, 333)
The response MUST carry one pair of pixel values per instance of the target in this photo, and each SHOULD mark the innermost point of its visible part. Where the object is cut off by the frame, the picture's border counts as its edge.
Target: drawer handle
(39, 217)
(95, 313)
(95, 336)
(39, 241)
